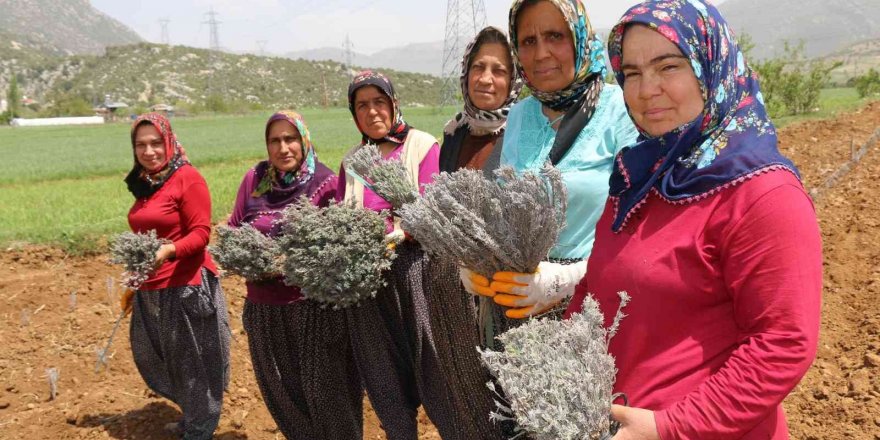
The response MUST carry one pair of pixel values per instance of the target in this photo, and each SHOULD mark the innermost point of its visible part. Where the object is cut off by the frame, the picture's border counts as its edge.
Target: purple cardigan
(263, 214)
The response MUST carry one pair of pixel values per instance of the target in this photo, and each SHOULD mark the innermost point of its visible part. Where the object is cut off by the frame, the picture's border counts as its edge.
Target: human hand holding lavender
(166, 252)
(530, 294)
(635, 423)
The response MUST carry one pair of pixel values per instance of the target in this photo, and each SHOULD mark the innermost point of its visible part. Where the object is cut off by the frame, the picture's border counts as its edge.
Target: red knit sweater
(724, 316)
(181, 212)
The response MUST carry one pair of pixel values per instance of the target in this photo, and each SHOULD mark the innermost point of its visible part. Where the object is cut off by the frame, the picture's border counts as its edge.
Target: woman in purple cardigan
(300, 351)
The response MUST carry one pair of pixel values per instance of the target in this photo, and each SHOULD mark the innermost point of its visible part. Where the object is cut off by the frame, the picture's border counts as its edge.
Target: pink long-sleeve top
(428, 167)
(724, 313)
(180, 211)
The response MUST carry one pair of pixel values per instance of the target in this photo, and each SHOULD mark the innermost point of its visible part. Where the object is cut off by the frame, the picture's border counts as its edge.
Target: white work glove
(474, 283)
(529, 294)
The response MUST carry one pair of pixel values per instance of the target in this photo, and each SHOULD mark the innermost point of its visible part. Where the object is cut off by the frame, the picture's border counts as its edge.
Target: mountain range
(62, 27)
(68, 48)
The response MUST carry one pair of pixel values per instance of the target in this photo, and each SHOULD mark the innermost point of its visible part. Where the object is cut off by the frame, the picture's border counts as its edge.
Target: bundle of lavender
(387, 178)
(557, 376)
(509, 224)
(246, 252)
(336, 255)
(137, 253)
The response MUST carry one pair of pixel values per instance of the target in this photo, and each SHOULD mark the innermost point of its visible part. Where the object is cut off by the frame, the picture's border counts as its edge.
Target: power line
(214, 45)
(214, 25)
(262, 45)
(165, 38)
(348, 56)
(463, 20)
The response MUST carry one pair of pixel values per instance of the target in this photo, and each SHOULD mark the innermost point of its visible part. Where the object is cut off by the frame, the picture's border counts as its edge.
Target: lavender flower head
(335, 255)
(557, 376)
(137, 253)
(246, 252)
(387, 178)
(509, 224)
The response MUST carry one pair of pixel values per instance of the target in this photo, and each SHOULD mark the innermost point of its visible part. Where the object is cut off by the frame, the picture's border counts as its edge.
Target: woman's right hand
(474, 283)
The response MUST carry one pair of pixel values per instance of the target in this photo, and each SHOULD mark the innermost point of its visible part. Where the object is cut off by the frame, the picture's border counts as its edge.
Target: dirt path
(41, 327)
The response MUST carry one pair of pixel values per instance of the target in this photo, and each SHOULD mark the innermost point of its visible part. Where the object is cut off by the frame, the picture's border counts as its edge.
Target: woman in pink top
(391, 335)
(299, 350)
(709, 230)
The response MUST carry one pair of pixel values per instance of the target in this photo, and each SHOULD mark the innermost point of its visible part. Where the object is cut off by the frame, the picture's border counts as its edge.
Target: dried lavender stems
(336, 255)
(557, 376)
(490, 226)
(137, 252)
(387, 178)
(246, 252)
(52, 377)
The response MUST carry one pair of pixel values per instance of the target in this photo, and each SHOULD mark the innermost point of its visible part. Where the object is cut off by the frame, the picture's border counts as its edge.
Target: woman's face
(659, 87)
(489, 77)
(149, 147)
(545, 47)
(285, 146)
(373, 111)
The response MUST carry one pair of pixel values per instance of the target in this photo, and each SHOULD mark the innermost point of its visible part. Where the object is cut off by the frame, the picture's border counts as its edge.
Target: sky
(292, 25)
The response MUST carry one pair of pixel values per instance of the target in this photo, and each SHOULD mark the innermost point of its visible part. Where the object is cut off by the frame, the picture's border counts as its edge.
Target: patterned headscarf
(731, 141)
(481, 122)
(399, 127)
(277, 180)
(589, 58)
(142, 183)
(276, 191)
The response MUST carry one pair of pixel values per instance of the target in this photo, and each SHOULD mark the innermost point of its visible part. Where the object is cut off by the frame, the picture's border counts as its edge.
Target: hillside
(823, 26)
(426, 58)
(856, 59)
(62, 27)
(145, 74)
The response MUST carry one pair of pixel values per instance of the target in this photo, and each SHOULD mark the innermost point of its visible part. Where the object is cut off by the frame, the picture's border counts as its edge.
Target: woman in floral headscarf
(179, 325)
(300, 351)
(573, 120)
(709, 230)
(391, 334)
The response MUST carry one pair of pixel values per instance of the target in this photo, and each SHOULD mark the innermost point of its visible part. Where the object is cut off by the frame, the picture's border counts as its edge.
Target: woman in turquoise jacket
(575, 121)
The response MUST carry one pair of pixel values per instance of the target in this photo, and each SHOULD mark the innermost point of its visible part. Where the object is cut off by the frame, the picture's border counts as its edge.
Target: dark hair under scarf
(480, 121)
(731, 141)
(142, 183)
(579, 99)
(399, 128)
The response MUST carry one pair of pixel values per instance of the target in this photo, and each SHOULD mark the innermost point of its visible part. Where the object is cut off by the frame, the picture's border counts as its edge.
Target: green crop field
(63, 185)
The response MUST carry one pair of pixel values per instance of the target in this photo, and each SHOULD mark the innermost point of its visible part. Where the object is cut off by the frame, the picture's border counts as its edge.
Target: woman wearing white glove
(575, 121)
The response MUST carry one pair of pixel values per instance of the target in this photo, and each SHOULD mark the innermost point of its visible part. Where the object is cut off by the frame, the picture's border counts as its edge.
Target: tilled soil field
(56, 311)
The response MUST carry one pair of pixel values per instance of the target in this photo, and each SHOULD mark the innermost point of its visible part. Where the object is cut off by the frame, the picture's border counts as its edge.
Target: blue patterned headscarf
(731, 141)
(589, 55)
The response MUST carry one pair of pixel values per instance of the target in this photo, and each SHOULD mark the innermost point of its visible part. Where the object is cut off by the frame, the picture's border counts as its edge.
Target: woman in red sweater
(709, 230)
(179, 325)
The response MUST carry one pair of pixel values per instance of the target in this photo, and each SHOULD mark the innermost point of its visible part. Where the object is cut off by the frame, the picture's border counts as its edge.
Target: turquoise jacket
(585, 168)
